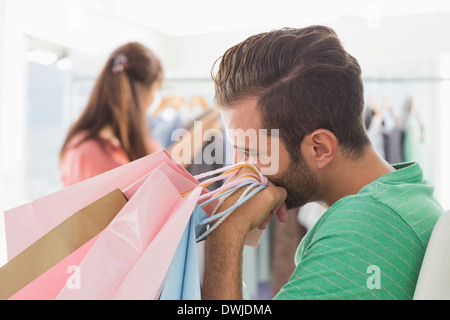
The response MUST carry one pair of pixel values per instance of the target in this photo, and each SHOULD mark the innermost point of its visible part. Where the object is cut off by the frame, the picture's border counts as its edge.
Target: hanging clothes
(375, 128)
(393, 145)
(394, 139)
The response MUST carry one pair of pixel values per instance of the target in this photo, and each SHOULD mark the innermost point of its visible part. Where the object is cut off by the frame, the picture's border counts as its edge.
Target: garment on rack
(394, 139)
(163, 125)
(375, 128)
(393, 145)
(175, 113)
(188, 114)
(414, 141)
(218, 146)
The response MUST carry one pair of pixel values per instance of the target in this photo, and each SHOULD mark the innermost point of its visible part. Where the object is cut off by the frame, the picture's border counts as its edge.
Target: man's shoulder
(413, 217)
(361, 207)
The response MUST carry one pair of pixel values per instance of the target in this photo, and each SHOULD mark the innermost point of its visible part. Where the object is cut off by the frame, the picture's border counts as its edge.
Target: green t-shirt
(369, 245)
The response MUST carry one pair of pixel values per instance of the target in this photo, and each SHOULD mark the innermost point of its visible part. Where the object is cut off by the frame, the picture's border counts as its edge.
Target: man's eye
(250, 154)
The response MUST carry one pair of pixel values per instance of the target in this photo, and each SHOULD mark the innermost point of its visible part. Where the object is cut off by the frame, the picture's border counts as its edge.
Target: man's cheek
(239, 157)
(269, 165)
(270, 159)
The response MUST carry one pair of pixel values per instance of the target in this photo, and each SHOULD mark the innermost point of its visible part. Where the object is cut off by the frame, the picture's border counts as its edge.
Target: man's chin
(292, 204)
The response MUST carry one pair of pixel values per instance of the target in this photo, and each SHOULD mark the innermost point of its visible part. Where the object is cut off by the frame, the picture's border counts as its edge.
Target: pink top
(89, 159)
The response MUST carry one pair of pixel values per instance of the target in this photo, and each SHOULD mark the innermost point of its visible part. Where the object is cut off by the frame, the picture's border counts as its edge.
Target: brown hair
(303, 80)
(114, 100)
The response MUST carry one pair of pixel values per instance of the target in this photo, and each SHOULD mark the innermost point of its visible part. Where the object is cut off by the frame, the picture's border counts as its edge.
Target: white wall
(12, 108)
(409, 46)
(2, 228)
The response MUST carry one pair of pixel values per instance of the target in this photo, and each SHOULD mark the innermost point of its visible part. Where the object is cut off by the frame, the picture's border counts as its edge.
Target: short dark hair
(303, 80)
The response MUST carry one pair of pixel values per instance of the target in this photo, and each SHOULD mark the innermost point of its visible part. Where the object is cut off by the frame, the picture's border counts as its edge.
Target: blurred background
(52, 50)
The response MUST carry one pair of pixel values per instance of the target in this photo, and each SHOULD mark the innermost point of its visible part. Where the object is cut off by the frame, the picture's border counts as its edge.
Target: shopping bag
(24, 225)
(184, 277)
(58, 276)
(150, 225)
(131, 257)
(48, 285)
(141, 242)
(60, 242)
(177, 256)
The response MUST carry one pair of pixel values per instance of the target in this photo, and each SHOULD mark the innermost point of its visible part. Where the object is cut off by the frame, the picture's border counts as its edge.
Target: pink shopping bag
(151, 223)
(131, 258)
(116, 264)
(26, 224)
(48, 285)
(117, 247)
(60, 242)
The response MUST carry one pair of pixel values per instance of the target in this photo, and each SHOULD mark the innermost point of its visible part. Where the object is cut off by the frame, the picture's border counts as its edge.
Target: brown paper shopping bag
(60, 242)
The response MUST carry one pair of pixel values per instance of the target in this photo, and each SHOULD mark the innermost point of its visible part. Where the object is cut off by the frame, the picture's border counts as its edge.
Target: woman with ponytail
(113, 128)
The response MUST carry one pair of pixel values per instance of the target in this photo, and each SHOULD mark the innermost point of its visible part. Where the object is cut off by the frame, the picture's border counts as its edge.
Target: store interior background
(52, 50)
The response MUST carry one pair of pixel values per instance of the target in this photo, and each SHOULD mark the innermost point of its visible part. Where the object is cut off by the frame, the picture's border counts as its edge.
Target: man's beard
(300, 182)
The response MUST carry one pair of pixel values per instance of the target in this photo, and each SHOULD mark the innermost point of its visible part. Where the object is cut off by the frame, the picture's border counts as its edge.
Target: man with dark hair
(371, 241)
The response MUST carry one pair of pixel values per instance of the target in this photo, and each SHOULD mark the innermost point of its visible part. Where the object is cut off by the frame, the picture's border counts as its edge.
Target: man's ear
(321, 147)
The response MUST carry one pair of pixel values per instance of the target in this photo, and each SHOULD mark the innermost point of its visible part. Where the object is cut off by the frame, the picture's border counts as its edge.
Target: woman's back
(89, 158)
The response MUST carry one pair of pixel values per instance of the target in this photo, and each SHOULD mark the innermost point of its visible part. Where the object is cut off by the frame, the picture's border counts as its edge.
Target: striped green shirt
(369, 245)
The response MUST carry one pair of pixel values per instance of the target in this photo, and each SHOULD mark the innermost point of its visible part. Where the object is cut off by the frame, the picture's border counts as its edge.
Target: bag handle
(229, 173)
(255, 181)
(224, 214)
(221, 194)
